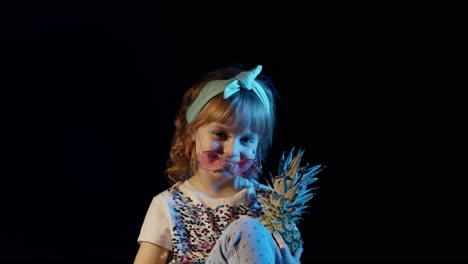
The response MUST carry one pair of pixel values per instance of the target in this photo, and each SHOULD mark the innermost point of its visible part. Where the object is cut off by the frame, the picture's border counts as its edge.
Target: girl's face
(231, 145)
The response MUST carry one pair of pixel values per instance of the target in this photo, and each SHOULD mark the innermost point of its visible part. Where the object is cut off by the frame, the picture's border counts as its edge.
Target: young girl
(222, 131)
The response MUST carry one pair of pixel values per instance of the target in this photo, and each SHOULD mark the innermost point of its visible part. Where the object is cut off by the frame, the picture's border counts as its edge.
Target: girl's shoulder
(167, 193)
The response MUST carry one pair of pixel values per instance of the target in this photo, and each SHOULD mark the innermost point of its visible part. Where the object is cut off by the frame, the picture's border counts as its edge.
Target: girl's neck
(215, 188)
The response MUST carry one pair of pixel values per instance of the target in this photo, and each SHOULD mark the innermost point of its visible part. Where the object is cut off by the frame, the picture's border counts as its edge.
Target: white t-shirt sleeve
(156, 227)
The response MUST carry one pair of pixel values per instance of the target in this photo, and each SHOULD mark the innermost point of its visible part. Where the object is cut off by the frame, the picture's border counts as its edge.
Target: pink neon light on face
(213, 161)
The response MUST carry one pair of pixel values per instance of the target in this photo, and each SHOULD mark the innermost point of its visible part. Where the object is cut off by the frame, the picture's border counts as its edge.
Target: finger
(284, 249)
(298, 253)
(280, 241)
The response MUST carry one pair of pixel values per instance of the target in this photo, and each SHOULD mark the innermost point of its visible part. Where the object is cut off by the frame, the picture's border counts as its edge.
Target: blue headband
(243, 80)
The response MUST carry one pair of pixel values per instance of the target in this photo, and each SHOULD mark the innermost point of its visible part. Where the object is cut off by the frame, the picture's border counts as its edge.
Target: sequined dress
(189, 222)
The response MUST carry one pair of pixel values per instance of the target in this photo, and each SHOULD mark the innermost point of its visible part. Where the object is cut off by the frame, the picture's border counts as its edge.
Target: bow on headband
(243, 80)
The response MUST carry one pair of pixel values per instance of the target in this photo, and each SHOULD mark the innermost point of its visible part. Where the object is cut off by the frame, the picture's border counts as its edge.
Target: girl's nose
(231, 148)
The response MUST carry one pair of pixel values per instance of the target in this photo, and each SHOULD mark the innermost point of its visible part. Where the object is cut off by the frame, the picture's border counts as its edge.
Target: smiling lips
(213, 161)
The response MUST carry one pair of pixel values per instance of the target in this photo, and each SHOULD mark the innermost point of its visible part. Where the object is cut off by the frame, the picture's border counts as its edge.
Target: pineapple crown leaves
(291, 168)
(289, 191)
(285, 196)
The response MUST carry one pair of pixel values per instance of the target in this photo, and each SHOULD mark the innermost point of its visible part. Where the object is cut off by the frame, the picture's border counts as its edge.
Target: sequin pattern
(197, 227)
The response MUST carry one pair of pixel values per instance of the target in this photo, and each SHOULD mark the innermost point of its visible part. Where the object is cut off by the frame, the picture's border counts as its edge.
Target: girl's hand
(285, 253)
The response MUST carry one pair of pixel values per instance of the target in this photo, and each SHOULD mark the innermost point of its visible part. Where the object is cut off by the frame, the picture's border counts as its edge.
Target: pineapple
(286, 195)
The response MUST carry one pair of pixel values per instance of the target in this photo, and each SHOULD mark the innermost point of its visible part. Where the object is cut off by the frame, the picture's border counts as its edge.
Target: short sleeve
(156, 227)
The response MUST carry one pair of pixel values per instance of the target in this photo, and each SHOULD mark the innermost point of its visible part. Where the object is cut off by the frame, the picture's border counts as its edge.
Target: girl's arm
(149, 253)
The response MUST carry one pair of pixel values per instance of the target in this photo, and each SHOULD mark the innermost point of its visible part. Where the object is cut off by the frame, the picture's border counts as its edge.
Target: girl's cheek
(214, 146)
(250, 153)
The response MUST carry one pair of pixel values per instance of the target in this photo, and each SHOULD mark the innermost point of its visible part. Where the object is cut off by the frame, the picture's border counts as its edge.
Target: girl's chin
(223, 174)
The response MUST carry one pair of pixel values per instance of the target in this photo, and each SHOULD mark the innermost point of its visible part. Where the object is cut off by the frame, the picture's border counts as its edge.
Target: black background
(375, 93)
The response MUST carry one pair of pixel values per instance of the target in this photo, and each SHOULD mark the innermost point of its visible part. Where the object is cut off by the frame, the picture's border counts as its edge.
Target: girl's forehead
(227, 128)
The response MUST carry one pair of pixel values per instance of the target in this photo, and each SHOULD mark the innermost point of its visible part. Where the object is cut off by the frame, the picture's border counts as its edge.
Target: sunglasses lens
(213, 161)
(209, 161)
(246, 167)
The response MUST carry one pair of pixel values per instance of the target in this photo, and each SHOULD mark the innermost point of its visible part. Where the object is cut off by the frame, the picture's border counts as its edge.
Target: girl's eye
(248, 140)
(219, 134)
